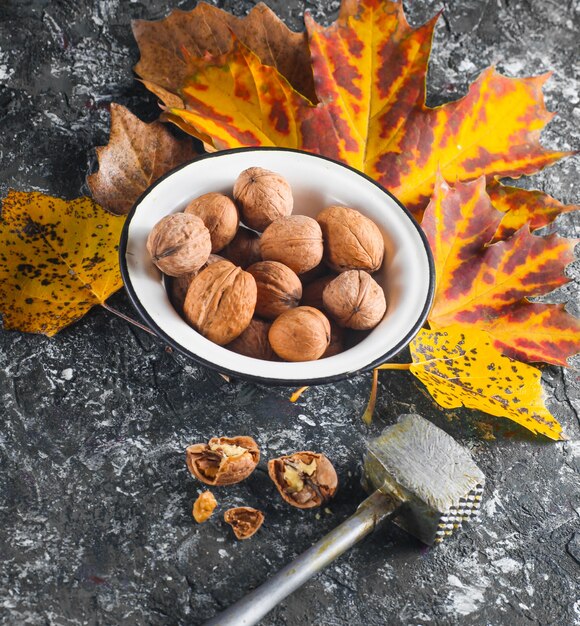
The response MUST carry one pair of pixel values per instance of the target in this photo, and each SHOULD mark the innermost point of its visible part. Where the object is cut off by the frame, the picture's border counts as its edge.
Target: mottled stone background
(95, 499)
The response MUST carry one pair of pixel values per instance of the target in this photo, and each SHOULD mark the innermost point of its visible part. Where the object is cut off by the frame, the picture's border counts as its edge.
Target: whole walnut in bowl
(220, 216)
(279, 289)
(300, 334)
(295, 241)
(244, 248)
(220, 302)
(355, 300)
(254, 342)
(353, 241)
(262, 196)
(179, 244)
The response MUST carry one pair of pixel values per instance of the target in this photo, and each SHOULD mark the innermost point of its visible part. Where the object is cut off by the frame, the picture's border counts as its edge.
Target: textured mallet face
(421, 465)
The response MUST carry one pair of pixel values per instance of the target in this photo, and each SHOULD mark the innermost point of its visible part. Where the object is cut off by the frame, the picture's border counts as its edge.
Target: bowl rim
(321, 380)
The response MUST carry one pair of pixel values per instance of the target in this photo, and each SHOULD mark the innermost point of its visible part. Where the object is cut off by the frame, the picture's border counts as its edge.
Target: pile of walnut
(270, 296)
(303, 479)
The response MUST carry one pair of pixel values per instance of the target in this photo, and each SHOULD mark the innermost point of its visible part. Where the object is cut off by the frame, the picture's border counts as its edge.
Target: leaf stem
(127, 318)
(394, 366)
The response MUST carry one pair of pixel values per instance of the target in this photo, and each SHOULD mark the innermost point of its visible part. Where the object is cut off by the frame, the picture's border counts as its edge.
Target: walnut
(300, 334)
(312, 293)
(314, 274)
(279, 289)
(304, 479)
(295, 240)
(204, 507)
(179, 244)
(355, 300)
(336, 345)
(177, 286)
(223, 460)
(253, 342)
(220, 302)
(220, 216)
(352, 241)
(244, 249)
(262, 196)
(244, 520)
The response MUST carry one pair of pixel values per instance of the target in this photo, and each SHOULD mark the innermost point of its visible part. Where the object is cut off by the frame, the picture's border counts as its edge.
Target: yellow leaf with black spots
(58, 258)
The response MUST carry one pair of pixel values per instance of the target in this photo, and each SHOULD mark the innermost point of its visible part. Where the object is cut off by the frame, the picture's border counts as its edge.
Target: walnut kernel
(304, 479)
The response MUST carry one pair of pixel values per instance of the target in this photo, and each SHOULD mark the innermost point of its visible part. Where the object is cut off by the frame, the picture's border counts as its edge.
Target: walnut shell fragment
(279, 288)
(253, 342)
(262, 196)
(352, 240)
(223, 460)
(179, 244)
(304, 479)
(204, 507)
(244, 249)
(295, 241)
(220, 216)
(220, 302)
(300, 334)
(355, 300)
(244, 520)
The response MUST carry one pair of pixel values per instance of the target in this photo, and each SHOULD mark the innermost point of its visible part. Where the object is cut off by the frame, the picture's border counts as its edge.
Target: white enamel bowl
(407, 274)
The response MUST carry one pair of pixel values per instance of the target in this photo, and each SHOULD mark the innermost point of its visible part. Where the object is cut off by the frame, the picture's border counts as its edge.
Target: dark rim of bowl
(262, 379)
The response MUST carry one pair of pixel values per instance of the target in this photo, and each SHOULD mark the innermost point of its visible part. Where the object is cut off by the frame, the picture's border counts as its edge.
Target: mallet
(418, 476)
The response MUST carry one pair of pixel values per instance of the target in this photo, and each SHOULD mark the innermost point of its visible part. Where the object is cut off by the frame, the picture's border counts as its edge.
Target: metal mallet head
(419, 465)
(418, 476)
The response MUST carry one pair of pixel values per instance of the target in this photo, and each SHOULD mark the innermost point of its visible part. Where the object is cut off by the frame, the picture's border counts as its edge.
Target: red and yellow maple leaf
(523, 206)
(369, 71)
(488, 286)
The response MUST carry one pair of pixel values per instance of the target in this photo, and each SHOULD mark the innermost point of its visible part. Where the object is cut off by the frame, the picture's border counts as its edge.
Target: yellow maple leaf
(58, 259)
(460, 367)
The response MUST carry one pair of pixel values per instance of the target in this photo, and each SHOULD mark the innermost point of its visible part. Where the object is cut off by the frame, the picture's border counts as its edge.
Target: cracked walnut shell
(279, 289)
(355, 300)
(295, 241)
(223, 460)
(220, 216)
(304, 479)
(179, 244)
(220, 302)
(352, 240)
(262, 196)
(244, 520)
(300, 334)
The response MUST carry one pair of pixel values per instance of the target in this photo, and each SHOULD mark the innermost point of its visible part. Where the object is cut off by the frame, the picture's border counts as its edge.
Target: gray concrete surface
(95, 498)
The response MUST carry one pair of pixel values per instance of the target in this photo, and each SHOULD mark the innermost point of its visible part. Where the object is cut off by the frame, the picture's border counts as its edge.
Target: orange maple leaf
(488, 286)
(369, 71)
